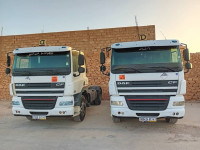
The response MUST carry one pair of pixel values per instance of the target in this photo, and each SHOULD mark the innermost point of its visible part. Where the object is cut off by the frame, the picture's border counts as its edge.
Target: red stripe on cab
(39, 99)
(147, 99)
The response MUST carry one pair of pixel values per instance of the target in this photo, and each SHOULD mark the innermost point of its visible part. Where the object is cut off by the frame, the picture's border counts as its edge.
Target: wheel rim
(83, 108)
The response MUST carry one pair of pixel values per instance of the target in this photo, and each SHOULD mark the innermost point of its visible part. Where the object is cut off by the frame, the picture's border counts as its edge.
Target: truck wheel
(97, 101)
(81, 116)
(116, 119)
(88, 100)
(29, 118)
(171, 120)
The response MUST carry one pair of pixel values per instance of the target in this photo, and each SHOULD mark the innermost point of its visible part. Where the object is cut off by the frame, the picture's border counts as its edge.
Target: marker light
(117, 103)
(179, 103)
(65, 103)
(174, 41)
(117, 44)
(15, 103)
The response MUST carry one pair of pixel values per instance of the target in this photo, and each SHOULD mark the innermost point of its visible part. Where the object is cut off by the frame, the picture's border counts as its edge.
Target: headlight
(179, 103)
(15, 103)
(118, 103)
(65, 103)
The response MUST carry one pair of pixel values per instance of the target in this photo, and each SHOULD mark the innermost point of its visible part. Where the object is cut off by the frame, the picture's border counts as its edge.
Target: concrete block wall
(90, 42)
(193, 78)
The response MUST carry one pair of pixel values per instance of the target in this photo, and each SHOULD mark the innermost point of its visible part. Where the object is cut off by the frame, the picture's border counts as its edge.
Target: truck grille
(156, 87)
(147, 102)
(43, 89)
(41, 103)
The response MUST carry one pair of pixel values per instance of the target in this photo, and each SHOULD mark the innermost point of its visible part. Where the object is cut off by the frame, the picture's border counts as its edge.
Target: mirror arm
(76, 75)
(8, 54)
(187, 71)
(183, 44)
(107, 74)
(107, 49)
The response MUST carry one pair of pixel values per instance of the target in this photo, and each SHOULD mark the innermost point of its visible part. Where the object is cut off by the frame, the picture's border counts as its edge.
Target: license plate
(39, 117)
(147, 119)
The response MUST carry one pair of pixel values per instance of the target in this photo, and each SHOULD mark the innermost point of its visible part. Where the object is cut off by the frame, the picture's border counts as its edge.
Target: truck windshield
(42, 63)
(146, 60)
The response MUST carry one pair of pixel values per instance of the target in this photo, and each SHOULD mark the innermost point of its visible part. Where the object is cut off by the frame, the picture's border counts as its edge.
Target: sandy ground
(98, 132)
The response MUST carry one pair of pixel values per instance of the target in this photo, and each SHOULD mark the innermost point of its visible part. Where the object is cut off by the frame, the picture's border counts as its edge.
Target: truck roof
(42, 49)
(145, 43)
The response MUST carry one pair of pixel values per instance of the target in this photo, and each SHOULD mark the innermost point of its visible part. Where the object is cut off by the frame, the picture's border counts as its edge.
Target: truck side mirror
(81, 70)
(102, 68)
(8, 61)
(102, 58)
(80, 60)
(7, 71)
(188, 65)
(186, 54)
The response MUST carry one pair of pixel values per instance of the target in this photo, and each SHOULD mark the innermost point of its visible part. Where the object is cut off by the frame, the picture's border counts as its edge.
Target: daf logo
(123, 83)
(59, 84)
(172, 82)
(20, 84)
(164, 75)
(28, 78)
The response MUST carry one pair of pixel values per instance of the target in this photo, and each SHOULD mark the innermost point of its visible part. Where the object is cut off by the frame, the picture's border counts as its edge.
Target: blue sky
(176, 19)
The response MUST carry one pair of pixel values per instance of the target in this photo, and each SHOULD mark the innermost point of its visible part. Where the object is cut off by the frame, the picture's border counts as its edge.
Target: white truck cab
(147, 80)
(50, 81)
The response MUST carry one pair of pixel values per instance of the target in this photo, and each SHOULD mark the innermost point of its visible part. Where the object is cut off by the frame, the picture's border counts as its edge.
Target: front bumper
(69, 111)
(171, 111)
(126, 112)
(19, 110)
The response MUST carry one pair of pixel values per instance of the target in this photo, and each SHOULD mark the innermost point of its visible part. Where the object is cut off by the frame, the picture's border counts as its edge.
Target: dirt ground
(98, 132)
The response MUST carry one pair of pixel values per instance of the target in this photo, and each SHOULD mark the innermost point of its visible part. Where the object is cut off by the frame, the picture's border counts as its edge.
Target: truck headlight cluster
(118, 103)
(65, 103)
(179, 103)
(15, 103)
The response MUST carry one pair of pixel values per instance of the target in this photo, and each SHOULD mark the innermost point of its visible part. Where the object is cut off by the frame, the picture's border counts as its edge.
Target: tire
(88, 100)
(116, 119)
(81, 116)
(29, 118)
(97, 101)
(171, 120)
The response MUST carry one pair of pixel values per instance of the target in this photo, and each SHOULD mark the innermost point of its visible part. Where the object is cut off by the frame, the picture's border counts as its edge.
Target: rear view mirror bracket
(8, 63)
(102, 60)
(186, 56)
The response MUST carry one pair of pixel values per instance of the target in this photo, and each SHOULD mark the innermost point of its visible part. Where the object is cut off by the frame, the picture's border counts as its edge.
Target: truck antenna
(136, 22)
(1, 31)
(163, 35)
(42, 31)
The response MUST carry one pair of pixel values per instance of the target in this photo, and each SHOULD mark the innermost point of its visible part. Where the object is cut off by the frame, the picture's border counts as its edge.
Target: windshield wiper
(126, 69)
(162, 67)
(52, 71)
(22, 72)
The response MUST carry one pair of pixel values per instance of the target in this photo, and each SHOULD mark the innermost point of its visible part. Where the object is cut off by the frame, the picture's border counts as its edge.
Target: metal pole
(1, 31)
